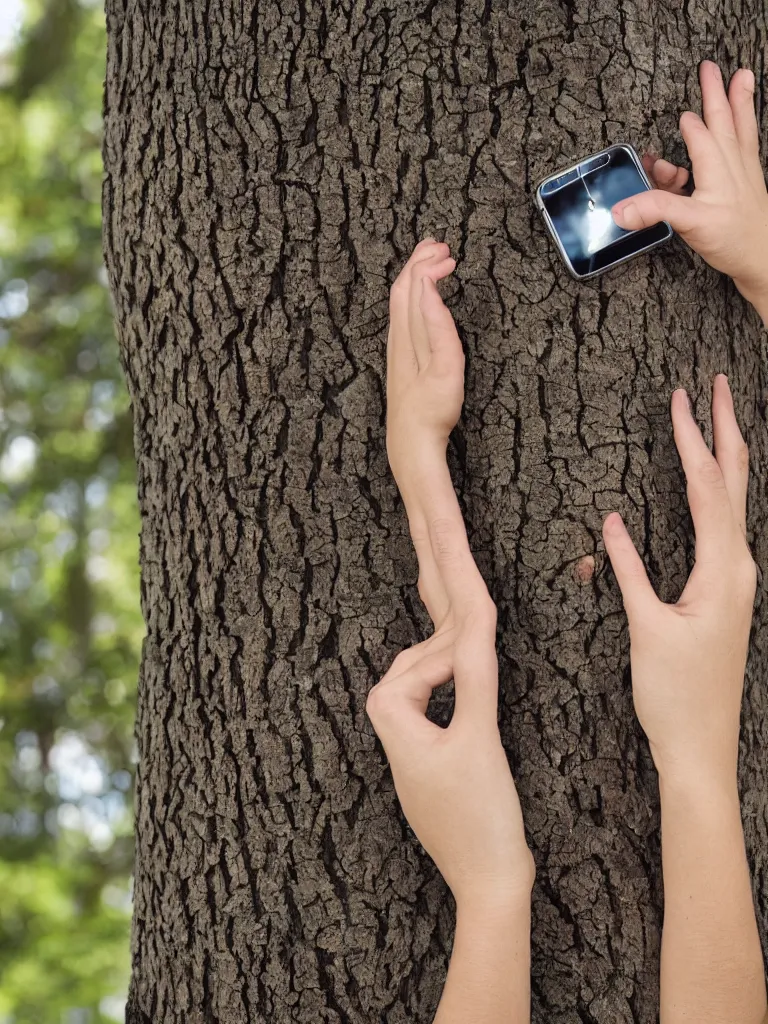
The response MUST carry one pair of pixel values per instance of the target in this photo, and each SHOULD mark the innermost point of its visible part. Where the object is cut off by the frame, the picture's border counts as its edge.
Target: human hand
(425, 361)
(688, 658)
(725, 219)
(425, 392)
(454, 784)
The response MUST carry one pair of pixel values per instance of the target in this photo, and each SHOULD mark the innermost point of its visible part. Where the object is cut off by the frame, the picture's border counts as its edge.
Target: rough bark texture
(269, 167)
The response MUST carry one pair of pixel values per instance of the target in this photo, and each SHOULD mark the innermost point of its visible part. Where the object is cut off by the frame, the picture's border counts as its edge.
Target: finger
(707, 160)
(707, 496)
(436, 263)
(636, 590)
(648, 160)
(396, 706)
(731, 452)
(401, 357)
(446, 353)
(741, 96)
(650, 207)
(718, 115)
(409, 658)
(669, 177)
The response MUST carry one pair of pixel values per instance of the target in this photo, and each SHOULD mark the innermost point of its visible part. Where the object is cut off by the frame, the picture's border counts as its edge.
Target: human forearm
(711, 962)
(489, 975)
(430, 498)
(433, 496)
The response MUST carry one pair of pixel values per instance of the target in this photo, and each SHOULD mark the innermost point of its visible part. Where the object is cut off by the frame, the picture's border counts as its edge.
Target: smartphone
(576, 206)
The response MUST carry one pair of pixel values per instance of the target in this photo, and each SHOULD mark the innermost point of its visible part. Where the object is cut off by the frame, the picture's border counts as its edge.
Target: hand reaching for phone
(688, 658)
(725, 219)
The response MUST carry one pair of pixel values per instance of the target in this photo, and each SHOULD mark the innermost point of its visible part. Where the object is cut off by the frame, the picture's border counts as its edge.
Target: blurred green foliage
(70, 624)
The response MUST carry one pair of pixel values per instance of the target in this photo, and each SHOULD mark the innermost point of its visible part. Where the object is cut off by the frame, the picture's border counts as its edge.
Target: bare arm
(489, 975)
(711, 962)
(454, 784)
(688, 663)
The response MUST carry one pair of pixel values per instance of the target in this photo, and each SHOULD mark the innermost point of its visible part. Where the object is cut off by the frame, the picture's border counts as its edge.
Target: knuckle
(487, 613)
(746, 573)
(742, 457)
(399, 289)
(378, 703)
(402, 661)
(482, 618)
(373, 702)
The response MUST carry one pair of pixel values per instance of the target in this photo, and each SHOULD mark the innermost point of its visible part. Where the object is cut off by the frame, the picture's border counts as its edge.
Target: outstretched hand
(688, 658)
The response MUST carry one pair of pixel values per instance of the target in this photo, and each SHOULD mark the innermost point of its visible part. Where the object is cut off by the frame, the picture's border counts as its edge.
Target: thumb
(649, 208)
(397, 705)
(636, 589)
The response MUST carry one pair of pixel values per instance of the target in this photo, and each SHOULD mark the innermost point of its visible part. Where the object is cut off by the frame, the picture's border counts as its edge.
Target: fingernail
(620, 214)
(613, 522)
(749, 80)
(682, 391)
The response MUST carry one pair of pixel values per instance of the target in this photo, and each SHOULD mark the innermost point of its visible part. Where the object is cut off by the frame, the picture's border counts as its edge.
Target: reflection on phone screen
(579, 205)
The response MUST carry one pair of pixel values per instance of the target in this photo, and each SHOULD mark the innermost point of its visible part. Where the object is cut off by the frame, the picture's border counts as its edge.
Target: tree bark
(268, 169)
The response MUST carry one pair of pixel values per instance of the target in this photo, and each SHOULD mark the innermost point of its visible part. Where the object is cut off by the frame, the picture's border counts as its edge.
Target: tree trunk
(268, 170)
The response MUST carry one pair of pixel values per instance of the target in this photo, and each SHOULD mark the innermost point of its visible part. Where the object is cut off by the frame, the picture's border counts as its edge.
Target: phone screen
(579, 203)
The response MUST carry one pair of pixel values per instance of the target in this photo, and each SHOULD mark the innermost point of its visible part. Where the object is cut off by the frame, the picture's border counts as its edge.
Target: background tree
(70, 628)
(269, 168)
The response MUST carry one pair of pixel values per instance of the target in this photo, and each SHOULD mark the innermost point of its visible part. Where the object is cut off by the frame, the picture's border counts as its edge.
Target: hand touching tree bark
(454, 784)
(688, 662)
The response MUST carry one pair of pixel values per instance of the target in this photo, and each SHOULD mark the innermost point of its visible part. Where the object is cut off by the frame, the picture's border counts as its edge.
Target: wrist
(412, 470)
(500, 898)
(481, 912)
(709, 787)
(756, 294)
